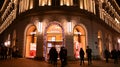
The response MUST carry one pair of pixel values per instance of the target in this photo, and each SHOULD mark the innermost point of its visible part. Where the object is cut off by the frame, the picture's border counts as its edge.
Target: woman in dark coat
(81, 56)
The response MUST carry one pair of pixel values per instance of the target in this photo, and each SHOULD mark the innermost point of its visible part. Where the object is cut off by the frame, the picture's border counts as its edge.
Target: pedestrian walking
(107, 55)
(89, 55)
(51, 55)
(114, 54)
(81, 56)
(54, 57)
(63, 56)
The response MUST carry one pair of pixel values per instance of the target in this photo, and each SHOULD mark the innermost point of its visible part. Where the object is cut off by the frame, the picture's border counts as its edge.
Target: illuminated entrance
(79, 40)
(54, 38)
(31, 42)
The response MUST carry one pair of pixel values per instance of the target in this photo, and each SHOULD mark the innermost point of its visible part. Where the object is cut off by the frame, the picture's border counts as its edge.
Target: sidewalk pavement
(22, 62)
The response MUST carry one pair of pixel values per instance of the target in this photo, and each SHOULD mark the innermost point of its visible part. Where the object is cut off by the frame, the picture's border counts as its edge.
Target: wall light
(7, 43)
(40, 27)
(69, 27)
(119, 41)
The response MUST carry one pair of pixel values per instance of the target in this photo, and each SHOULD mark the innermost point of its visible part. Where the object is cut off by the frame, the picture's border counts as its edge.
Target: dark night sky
(1, 2)
(118, 1)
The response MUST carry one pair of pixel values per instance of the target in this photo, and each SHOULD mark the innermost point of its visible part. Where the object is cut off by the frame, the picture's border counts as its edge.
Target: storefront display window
(79, 40)
(54, 38)
(31, 40)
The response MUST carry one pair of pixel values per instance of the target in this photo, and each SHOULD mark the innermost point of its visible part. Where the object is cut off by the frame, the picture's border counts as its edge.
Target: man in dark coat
(89, 55)
(63, 56)
(81, 56)
(107, 55)
(54, 57)
(115, 55)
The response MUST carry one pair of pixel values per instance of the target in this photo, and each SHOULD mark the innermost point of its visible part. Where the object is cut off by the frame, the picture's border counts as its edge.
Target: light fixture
(119, 41)
(7, 43)
(40, 27)
(69, 27)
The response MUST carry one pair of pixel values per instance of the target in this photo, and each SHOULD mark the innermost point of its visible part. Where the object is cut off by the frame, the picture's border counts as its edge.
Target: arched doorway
(31, 39)
(100, 43)
(53, 37)
(79, 40)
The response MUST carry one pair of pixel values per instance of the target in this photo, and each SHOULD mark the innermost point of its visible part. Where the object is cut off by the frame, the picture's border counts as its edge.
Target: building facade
(34, 26)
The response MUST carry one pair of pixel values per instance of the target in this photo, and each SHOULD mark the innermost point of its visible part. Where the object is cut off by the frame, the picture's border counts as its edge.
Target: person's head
(62, 47)
(81, 49)
(87, 46)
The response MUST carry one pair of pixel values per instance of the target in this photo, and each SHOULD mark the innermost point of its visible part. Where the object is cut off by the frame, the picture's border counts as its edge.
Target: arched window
(79, 40)
(54, 37)
(31, 40)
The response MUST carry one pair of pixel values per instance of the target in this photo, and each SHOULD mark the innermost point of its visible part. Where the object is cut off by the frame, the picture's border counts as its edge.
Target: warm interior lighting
(32, 33)
(69, 27)
(54, 29)
(32, 46)
(49, 44)
(78, 33)
(32, 49)
(39, 26)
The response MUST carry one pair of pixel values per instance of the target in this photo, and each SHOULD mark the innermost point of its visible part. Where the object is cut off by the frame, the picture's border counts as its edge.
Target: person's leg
(62, 62)
(114, 60)
(83, 60)
(88, 60)
(80, 61)
(107, 60)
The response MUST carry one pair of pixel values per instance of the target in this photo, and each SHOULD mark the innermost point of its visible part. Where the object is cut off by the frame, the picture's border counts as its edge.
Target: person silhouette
(89, 55)
(107, 55)
(114, 54)
(55, 56)
(63, 56)
(81, 56)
